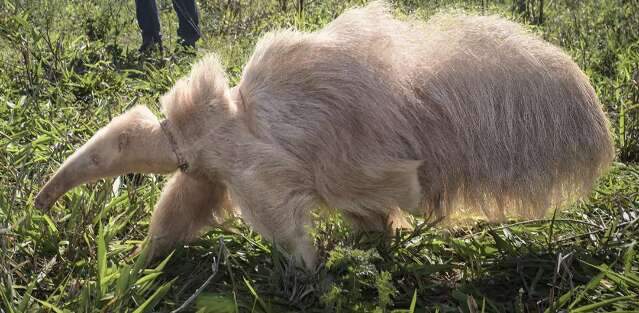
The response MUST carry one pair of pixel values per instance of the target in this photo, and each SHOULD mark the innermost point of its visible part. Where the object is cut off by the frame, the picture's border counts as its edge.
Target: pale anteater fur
(371, 114)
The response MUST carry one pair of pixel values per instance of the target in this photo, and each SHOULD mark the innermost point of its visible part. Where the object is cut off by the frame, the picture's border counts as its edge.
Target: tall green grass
(68, 67)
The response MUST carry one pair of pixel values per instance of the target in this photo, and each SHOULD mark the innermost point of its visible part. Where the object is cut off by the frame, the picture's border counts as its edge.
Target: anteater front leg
(186, 206)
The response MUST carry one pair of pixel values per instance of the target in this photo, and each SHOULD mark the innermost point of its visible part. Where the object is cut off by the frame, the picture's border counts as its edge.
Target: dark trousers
(149, 20)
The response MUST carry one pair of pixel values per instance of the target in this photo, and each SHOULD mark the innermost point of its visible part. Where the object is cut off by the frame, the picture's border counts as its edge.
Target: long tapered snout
(132, 142)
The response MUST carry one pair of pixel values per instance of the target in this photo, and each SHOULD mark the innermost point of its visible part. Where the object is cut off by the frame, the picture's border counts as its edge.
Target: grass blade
(256, 296)
(591, 307)
(101, 265)
(153, 300)
(413, 302)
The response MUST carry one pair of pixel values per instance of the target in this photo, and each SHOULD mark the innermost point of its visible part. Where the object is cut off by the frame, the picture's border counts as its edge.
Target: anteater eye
(123, 141)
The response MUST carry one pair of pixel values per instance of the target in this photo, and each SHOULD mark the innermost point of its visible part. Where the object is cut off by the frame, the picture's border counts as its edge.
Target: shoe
(151, 44)
(185, 48)
(188, 44)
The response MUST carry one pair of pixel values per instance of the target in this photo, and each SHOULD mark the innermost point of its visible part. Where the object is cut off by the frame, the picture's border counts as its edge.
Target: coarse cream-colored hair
(372, 115)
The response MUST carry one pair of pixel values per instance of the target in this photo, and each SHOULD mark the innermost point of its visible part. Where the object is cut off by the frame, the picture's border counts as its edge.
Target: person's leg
(188, 18)
(149, 21)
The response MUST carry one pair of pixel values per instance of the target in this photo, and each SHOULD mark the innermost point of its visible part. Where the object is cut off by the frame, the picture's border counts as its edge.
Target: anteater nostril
(41, 202)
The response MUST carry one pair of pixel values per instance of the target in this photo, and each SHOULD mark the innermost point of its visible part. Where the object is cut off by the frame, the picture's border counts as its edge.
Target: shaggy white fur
(372, 114)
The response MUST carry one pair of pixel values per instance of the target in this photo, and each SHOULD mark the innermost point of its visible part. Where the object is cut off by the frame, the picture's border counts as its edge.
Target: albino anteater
(368, 115)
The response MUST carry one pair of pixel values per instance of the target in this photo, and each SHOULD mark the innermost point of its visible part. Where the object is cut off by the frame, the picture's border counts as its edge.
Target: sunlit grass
(67, 68)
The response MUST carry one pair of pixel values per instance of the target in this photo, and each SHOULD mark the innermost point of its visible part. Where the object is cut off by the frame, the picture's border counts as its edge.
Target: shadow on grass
(371, 272)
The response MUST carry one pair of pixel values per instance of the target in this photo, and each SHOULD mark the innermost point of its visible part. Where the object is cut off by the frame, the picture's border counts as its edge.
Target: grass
(69, 67)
